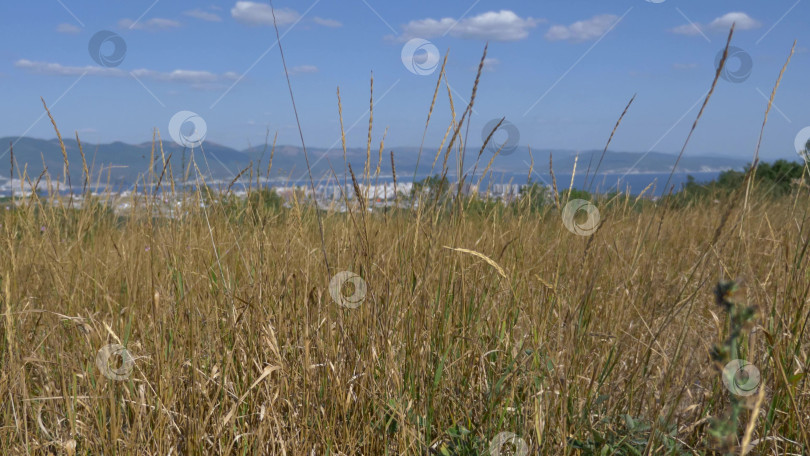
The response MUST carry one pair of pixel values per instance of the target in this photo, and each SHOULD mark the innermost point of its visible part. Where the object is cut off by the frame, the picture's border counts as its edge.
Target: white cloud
(203, 15)
(252, 13)
(744, 22)
(684, 66)
(209, 86)
(720, 24)
(503, 25)
(61, 70)
(178, 76)
(490, 64)
(327, 22)
(68, 28)
(687, 29)
(156, 23)
(300, 69)
(580, 31)
(186, 76)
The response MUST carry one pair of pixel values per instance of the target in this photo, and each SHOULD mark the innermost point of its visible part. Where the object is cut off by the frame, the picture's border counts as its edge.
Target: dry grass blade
(486, 142)
(573, 174)
(301, 135)
(361, 200)
(265, 373)
(11, 167)
(379, 161)
(489, 165)
(467, 112)
(61, 143)
(607, 145)
(462, 148)
(765, 122)
(430, 112)
(367, 167)
(749, 428)
(487, 259)
(272, 154)
(342, 133)
(163, 172)
(238, 175)
(553, 181)
(85, 170)
(720, 67)
(394, 177)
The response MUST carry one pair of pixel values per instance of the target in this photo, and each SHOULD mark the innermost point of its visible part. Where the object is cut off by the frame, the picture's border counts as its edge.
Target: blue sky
(561, 71)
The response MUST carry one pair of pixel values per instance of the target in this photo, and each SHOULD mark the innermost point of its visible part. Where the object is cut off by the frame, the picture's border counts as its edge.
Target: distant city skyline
(560, 72)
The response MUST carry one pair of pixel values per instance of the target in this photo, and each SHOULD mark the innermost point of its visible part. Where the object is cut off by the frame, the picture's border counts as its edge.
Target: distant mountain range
(125, 163)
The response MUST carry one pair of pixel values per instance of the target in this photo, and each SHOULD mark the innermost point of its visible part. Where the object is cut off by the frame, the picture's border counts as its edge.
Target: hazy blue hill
(126, 162)
(621, 162)
(123, 162)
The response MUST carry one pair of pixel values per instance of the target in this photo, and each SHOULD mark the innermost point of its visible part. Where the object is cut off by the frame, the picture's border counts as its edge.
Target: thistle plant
(740, 377)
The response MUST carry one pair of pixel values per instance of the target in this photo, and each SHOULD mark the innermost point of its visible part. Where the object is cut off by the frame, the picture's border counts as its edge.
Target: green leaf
(793, 379)
(438, 376)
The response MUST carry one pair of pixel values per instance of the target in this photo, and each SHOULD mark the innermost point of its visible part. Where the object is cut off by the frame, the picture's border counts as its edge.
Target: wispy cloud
(490, 64)
(301, 69)
(61, 70)
(327, 22)
(154, 24)
(185, 76)
(69, 29)
(502, 25)
(687, 29)
(178, 76)
(203, 15)
(720, 24)
(684, 66)
(585, 30)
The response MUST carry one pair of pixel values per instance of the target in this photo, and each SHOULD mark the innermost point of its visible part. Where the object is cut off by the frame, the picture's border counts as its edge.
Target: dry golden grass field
(575, 344)
(467, 327)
